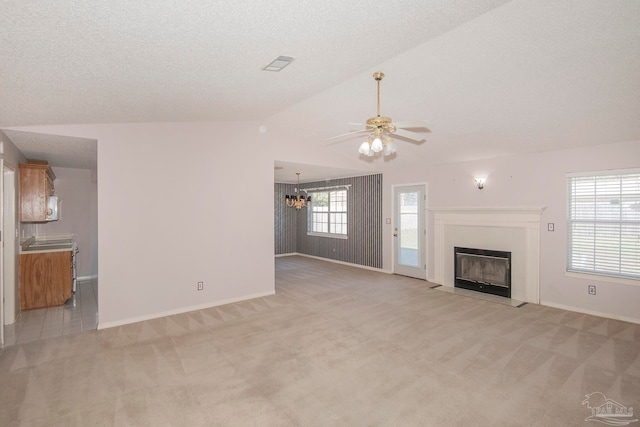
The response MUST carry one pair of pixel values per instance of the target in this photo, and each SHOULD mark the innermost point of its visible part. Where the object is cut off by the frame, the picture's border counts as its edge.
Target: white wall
(77, 189)
(178, 204)
(537, 179)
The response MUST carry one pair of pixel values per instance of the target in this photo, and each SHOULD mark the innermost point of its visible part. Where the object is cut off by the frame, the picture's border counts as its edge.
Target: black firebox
(483, 270)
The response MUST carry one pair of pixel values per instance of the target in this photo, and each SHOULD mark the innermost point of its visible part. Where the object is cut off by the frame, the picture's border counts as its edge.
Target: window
(604, 223)
(328, 213)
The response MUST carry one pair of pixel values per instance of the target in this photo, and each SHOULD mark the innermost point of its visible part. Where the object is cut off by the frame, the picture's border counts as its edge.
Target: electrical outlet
(592, 289)
(200, 286)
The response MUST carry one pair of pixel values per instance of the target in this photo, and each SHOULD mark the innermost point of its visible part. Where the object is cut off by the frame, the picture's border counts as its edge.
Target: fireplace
(483, 270)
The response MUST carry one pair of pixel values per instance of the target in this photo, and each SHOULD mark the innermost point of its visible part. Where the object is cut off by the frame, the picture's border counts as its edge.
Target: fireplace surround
(513, 229)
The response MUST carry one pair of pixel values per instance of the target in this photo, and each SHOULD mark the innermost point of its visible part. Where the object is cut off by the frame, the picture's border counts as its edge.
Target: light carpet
(335, 346)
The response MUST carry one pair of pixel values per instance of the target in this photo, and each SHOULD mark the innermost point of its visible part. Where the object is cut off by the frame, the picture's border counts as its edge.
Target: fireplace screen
(483, 270)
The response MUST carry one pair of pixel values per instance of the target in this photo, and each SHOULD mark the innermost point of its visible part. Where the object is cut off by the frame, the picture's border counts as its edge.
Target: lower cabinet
(46, 279)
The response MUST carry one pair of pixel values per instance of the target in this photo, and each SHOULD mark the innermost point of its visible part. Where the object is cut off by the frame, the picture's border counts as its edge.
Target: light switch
(388, 220)
(551, 226)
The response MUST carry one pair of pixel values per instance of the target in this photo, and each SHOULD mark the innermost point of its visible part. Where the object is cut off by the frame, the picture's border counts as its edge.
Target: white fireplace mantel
(512, 229)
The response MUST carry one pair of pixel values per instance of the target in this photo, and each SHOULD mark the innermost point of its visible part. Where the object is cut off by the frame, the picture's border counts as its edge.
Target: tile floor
(78, 314)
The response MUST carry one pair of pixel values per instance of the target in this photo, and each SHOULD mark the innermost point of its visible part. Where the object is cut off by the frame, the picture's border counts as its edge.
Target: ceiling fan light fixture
(389, 148)
(381, 129)
(364, 148)
(376, 145)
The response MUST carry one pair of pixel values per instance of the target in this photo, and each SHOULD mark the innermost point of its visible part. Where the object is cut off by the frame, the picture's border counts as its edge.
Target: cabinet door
(45, 279)
(33, 195)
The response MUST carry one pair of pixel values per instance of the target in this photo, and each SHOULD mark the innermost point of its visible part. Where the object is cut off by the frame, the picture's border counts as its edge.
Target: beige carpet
(336, 346)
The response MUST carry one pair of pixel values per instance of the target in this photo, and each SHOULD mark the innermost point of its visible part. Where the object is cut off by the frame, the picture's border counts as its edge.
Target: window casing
(327, 215)
(604, 223)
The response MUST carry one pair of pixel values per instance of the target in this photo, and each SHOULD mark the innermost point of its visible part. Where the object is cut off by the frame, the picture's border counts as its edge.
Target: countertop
(38, 245)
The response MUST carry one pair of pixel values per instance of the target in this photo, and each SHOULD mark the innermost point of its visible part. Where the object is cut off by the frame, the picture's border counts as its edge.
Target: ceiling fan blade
(409, 135)
(344, 135)
(422, 124)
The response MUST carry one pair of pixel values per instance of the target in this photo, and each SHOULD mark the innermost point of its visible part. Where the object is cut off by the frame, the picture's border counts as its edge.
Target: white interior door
(410, 231)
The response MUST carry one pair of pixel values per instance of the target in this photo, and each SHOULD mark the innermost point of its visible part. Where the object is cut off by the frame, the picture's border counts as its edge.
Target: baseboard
(137, 319)
(350, 264)
(590, 312)
(289, 254)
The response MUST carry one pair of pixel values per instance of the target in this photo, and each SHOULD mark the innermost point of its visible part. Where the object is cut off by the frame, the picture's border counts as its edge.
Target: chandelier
(297, 201)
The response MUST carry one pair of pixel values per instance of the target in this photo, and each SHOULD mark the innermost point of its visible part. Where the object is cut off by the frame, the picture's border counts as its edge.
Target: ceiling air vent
(279, 63)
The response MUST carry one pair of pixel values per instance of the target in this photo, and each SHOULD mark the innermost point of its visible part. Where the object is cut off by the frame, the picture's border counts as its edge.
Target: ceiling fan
(381, 129)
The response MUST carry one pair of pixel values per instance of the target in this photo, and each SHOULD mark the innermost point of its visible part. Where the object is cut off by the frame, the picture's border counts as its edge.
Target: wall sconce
(480, 181)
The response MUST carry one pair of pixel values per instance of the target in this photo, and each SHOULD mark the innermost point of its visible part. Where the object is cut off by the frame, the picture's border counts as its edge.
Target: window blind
(604, 223)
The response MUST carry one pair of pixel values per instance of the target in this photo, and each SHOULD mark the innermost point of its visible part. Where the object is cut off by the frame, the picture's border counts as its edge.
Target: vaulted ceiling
(491, 77)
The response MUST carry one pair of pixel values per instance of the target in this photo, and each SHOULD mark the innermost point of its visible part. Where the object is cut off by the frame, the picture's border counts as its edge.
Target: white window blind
(604, 223)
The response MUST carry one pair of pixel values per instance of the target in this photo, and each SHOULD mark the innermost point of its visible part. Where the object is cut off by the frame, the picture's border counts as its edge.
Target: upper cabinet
(36, 186)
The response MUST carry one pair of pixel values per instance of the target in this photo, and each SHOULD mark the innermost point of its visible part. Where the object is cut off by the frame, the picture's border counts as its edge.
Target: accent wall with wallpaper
(364, 223)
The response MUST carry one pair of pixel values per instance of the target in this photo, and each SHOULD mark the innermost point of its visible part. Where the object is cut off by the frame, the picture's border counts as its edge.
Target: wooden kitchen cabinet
(46, 279)
(36, 185)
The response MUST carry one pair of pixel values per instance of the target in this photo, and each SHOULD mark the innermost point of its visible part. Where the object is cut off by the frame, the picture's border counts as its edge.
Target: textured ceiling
(73, 61)
(60, 151)
(491, 77)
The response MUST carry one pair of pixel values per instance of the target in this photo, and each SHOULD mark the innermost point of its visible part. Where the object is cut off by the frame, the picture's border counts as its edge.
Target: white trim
(323, 189)
(181, 310)
(331, 235)
(535, 210)
(287, 254)
(335, 261)
(606, 172)
(92, 277)
(425, 219)
(590, 312)
(602, 278)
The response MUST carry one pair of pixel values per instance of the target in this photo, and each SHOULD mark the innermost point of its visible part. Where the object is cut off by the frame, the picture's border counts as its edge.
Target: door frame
(8, 270)
(394, 222)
